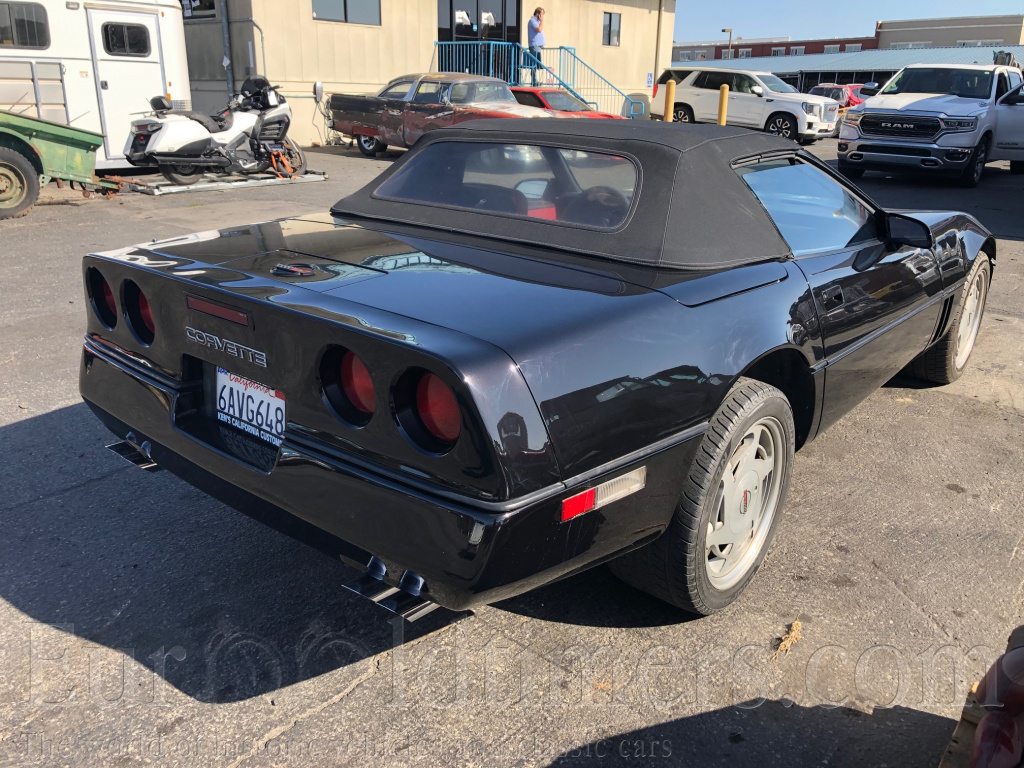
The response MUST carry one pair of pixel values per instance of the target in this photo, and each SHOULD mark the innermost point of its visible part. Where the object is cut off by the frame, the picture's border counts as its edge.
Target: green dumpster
(33, 151)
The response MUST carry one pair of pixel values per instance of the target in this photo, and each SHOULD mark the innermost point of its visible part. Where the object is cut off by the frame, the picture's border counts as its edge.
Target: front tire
(726, 517)
(295, 156)
(19, 184)
(945, 361)
(783, 125)
(182, 174)
(971, 176)
(370, 145)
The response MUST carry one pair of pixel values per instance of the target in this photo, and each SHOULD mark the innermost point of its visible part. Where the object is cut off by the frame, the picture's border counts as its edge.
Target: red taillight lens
(357, 384)
(438, 409)
(655, 90)
(146, 314)
(108, 298)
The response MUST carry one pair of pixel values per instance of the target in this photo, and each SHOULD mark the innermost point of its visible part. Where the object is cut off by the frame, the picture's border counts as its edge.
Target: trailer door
(129, 70)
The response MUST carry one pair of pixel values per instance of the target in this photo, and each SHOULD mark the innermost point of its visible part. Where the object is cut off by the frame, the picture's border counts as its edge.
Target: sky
(701, 20)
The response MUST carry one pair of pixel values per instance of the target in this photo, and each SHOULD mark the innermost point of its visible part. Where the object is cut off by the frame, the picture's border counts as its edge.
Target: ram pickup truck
(412, 105)
(941, 118)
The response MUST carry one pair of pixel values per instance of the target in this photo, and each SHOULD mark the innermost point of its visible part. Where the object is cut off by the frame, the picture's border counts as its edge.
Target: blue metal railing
(515, 65)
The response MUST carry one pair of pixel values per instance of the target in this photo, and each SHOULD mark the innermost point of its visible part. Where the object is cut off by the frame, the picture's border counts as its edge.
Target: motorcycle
(249, 136)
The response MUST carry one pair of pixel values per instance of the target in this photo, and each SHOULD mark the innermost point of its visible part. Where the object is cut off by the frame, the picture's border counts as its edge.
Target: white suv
(756, 100)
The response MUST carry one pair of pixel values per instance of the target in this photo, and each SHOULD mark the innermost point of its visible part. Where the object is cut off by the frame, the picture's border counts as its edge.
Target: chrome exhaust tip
(404, 600)
(135, 453)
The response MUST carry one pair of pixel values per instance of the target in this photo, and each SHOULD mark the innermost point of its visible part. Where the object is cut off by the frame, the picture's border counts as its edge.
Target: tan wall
(361, 58)
(939, 33)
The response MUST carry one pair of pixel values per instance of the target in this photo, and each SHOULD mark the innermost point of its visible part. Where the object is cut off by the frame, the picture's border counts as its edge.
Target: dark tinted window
(589, 189)
(125, 39)
(23, 25)
(713, 80)
(528, 99)
(812, 210)
(351, 11)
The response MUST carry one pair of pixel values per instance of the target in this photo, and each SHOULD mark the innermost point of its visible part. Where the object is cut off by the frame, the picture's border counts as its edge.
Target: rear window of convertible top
(588, 189)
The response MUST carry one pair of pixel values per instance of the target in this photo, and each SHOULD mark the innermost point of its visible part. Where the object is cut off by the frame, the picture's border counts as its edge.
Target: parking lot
(143, 623)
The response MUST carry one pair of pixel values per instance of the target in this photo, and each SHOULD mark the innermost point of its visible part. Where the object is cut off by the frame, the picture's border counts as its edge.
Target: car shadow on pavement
(775, 733)
(162, 578)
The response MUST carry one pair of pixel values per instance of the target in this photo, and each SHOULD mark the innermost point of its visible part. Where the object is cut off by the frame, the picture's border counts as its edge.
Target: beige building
(964, 31)
(357, 46)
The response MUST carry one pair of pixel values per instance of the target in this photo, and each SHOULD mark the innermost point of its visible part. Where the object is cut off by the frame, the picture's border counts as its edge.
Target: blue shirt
(535, 38)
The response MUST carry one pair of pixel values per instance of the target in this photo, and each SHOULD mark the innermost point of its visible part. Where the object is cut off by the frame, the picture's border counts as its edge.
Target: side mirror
(318, 91)
(869, 89)
(757, 90)
(904, 230)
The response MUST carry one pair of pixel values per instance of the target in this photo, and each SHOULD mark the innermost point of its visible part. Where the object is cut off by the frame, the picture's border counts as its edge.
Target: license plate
(250, 407)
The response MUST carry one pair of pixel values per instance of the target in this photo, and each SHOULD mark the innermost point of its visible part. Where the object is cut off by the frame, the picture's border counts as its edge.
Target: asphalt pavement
(143, 623)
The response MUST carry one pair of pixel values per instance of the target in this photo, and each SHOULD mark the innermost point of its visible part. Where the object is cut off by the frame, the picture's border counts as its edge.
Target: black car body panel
(567, 369)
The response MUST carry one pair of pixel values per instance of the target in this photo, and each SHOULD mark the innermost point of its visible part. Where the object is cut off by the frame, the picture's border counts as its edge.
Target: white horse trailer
(92, 64)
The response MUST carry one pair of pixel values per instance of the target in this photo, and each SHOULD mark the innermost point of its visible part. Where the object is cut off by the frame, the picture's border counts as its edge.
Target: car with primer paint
(412, 105)
(528, 348)
(757, 99)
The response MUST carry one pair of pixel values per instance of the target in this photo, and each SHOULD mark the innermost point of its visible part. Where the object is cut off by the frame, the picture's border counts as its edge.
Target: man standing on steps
(535, 38)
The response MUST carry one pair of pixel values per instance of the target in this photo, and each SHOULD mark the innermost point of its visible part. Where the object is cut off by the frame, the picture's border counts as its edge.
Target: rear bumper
(468, 552)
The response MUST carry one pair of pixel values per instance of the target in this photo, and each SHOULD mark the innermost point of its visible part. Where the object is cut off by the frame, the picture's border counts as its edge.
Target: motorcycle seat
(212, 123)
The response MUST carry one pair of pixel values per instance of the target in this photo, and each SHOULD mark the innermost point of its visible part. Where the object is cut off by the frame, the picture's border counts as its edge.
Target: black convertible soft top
(690, 210)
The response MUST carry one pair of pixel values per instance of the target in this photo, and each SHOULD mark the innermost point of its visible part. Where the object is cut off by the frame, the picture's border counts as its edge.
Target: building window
(23, 25)
(612, 25)
(726, 54)
(199, 9)
(831, 49)
(349, 11)
(977, 43)
(779, 51)
(125, 39)
(904, 46)
(744, 53)
(853, 47)
(685, 56)
(796, 50)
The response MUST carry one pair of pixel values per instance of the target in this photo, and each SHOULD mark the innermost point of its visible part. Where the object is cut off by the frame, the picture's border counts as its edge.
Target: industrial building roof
(882, 60)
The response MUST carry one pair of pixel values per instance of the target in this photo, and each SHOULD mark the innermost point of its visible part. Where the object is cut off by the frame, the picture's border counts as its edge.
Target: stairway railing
(516, 65)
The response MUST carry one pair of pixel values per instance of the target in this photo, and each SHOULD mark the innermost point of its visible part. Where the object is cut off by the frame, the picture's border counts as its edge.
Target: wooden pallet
(958, 751)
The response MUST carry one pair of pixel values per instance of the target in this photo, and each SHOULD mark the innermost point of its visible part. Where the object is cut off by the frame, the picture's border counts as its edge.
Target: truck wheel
(725, 519)
(182, 174)
(681, 113)
(850, 171)
(19, 184)
(370, 145)
(944, 362)
(781, 124)
(971, 176)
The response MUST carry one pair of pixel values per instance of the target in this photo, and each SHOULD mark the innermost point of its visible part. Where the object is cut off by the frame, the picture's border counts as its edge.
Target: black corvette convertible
(530, 347)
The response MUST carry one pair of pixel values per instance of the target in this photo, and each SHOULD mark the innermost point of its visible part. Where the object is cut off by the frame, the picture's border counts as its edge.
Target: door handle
(103, 85)
(831, 297)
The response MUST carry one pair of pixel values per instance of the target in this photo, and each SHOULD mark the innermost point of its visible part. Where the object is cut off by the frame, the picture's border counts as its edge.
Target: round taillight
(357, 384)
(102, 297)
(438, 409)
(139, 312)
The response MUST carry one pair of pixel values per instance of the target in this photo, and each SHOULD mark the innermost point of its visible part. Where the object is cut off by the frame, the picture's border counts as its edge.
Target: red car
(558, 100)
(848, 95)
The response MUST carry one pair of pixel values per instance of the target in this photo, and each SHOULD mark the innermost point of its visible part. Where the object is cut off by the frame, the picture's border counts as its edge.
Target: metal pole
(229, 73)
(730, 43)
(657, 40)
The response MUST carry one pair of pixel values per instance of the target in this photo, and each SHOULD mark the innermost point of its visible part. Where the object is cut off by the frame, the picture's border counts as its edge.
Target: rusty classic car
(412, 105)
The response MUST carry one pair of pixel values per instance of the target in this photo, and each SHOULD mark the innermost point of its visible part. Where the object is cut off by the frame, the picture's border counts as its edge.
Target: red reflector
(218, 310)
(108, 297)
(437, 408)
(578, 504)
(357, 384)
(146, 313)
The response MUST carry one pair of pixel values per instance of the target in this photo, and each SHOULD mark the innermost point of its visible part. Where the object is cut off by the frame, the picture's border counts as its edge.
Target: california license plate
(250, 406)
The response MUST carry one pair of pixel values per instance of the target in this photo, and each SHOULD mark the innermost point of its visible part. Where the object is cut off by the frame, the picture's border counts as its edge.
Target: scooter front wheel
(182, 174)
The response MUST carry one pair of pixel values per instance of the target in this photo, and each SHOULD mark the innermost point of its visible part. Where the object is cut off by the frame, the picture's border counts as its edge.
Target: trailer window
(125, 39)
(23, 25)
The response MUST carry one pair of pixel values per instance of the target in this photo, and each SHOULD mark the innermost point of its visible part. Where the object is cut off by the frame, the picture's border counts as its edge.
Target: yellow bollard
(670, 101)
(723, 103)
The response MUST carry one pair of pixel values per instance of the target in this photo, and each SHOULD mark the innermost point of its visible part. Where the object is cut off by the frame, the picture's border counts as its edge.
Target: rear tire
(945, 361)
(370, 145)
(729, 494)
(850, 171)
(182, 174)
(19, 184)
(681, 113)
